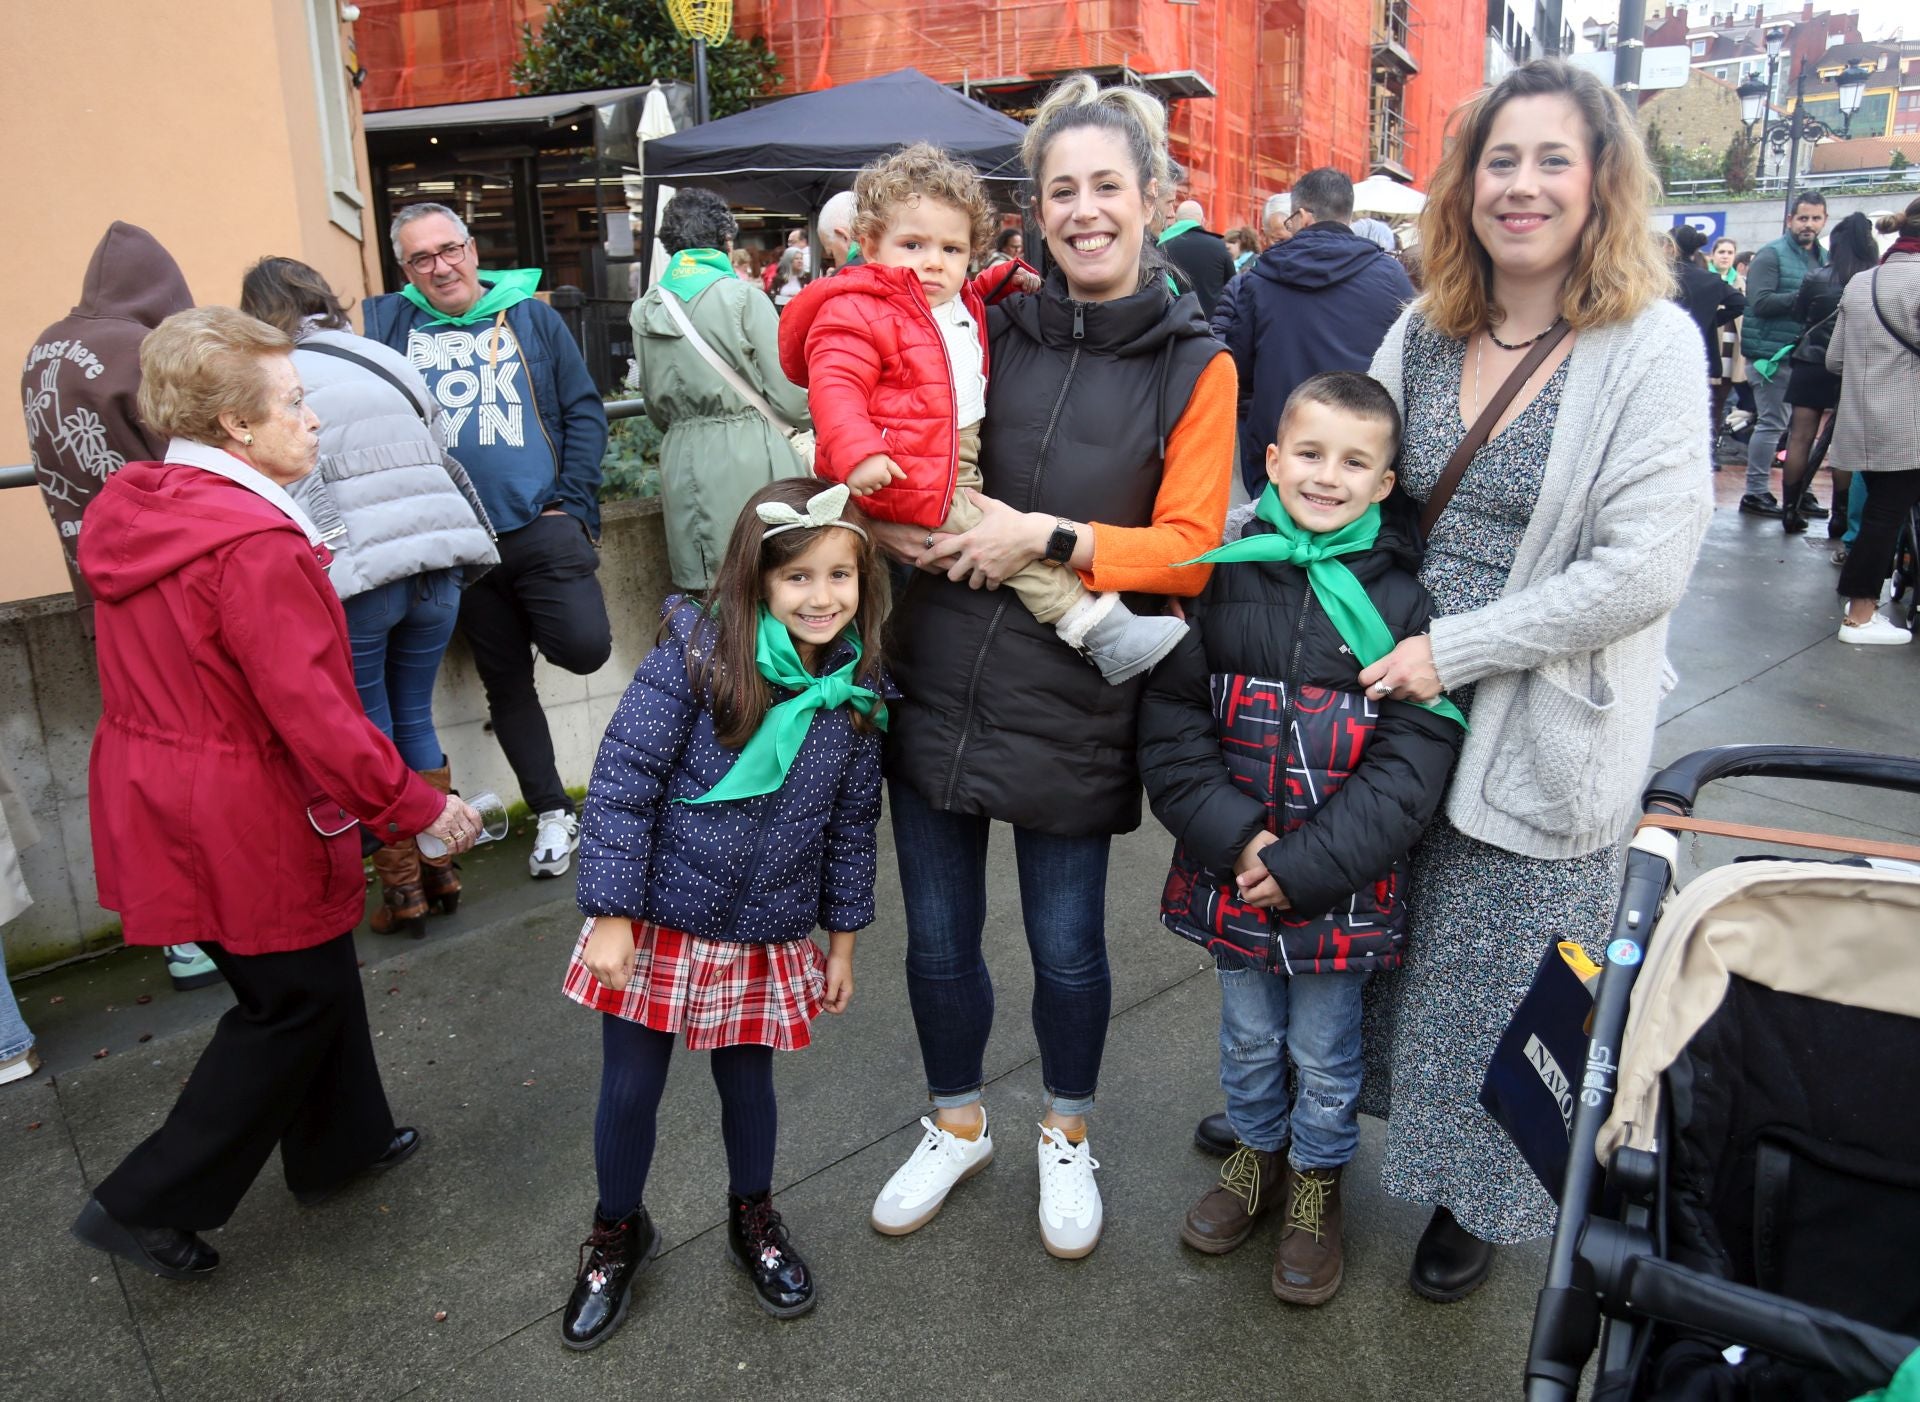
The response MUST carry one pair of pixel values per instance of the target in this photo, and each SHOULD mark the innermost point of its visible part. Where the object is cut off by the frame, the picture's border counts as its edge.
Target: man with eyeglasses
(522, 415)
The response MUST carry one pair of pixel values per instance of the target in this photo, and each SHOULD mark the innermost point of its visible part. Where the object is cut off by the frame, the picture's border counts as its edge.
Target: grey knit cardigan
(388, 500)
(1571, 661)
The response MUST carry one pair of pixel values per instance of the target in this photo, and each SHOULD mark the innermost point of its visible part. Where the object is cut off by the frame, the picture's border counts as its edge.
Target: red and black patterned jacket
(1348, 791)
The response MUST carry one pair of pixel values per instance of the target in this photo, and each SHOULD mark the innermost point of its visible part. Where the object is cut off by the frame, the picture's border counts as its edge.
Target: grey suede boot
(1120, 642)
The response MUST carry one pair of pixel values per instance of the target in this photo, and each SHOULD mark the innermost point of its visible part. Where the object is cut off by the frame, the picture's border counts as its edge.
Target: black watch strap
(1062, 543)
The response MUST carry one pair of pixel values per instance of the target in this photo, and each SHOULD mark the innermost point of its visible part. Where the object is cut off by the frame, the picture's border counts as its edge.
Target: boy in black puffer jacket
(1295, 797)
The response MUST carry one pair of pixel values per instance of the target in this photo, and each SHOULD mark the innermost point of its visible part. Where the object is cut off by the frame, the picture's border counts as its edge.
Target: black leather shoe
(1214, 1135)
(1450, 1263)
(1759, 504)
(758, 1243)
(406, 1140)
(1792, 522)
(1811, 508)
(613, 1254)
(165, 1251)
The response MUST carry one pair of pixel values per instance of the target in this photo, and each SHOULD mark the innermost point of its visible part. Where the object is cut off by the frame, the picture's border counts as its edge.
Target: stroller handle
(1677, 786)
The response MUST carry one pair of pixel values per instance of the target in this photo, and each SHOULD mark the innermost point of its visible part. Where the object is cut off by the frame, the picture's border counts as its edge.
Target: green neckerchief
(694, 270)
(853, 252)
(498, 292)
(766, 758)
(1903, 1386)
(1768, 368)
(1173, 231)
(1731, 277)
(1355, 617)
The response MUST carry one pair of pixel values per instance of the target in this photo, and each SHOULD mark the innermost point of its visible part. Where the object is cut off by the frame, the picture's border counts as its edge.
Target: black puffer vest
(1000, 717)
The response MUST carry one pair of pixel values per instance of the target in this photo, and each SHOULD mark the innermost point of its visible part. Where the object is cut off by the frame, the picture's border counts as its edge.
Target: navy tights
(633, 1073)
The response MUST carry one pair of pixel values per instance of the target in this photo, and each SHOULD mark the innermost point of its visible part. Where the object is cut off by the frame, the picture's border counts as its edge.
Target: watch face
(1061, 543)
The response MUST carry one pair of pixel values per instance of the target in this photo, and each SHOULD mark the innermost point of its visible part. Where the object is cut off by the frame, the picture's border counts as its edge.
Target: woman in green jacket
(720, 448)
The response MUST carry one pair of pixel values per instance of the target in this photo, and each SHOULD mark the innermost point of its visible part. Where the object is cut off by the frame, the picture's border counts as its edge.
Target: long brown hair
(721, 660)
(284, 292)
(1618, 271)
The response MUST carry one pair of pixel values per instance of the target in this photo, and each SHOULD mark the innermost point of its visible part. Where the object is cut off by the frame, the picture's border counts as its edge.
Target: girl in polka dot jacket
(732, 810)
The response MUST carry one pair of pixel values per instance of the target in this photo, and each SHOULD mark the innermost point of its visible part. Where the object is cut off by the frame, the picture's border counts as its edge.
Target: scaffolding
(422, 53)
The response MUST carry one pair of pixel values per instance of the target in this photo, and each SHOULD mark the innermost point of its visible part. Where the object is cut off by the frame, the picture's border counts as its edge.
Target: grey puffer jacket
(388, 499)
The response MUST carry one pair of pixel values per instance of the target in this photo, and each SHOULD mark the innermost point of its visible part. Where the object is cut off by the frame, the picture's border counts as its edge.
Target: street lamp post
(705, 22)
(1785, 135)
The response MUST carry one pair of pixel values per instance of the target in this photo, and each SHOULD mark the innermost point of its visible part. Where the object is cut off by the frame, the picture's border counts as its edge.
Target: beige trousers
(1046, 590)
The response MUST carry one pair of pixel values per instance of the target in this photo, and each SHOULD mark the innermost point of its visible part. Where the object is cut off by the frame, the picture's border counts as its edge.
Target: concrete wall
(1756, 222)
(50, 703)
(199, 122)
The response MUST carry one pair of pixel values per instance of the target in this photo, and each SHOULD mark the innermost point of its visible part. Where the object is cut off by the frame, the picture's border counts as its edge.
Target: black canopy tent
(793, 154)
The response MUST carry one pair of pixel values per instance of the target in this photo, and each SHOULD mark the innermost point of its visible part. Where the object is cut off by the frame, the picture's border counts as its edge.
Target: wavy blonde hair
(1618, 267)
(919, 171)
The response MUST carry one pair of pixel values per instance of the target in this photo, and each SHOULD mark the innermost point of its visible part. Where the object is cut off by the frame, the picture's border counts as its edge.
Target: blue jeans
(1063, 899)
(1315, 1018)
(15, 1036)
(399, 633)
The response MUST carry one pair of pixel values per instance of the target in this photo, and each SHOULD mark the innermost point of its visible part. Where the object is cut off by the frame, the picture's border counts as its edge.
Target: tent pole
(699, 82)
(649, 219)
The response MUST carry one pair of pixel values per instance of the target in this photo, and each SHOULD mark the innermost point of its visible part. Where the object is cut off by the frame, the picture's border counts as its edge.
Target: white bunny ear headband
(823, 509)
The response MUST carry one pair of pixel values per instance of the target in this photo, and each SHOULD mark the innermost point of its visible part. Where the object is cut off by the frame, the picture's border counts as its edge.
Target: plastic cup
(493, 825)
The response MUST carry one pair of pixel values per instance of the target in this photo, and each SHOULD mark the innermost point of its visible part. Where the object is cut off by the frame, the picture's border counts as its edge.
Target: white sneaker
(919, 1187)
(554, 843)
(1878, 631)
(18, 1068)
(1069, 1198)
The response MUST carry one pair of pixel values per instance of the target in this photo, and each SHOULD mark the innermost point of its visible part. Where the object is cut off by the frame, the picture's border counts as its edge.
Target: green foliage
(1736, 166)
(631, 467)
(1899, 160)
(1674, 163)
(586, 44)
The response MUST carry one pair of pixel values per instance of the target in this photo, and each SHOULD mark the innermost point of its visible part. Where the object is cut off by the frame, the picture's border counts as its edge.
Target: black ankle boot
(167, 1252)
(1213, 1135)
(1450, 1263)
(757, 1241)
(611, 1256)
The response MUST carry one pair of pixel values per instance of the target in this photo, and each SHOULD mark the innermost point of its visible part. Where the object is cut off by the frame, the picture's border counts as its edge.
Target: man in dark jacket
(523, 417)
(82, 380)
(1773, 281)
(1200, 259)
(1322, 300)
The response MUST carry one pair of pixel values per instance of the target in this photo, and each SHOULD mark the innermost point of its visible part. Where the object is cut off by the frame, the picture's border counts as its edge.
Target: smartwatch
(1062, 543)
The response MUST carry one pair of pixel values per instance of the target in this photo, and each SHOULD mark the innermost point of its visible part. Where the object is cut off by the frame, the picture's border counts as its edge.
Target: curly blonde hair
(920, 171)
(202, 363)
(1618, 270)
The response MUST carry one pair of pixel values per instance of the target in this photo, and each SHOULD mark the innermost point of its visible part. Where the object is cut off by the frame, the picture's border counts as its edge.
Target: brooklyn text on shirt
(476, 376)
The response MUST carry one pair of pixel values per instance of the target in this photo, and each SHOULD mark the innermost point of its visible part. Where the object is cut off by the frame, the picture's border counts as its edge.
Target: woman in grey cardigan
(1553, 570)
(1876, 351)
(407, 532)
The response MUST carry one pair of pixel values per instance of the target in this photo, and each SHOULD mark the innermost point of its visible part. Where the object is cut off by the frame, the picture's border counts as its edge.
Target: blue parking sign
(1712, 224)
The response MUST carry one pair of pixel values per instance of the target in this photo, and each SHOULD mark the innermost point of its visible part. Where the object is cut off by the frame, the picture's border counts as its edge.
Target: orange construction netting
(422, 53)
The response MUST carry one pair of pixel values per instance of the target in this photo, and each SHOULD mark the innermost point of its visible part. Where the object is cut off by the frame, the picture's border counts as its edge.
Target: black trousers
(542, 594)
(1890, 497)
(291, 1064)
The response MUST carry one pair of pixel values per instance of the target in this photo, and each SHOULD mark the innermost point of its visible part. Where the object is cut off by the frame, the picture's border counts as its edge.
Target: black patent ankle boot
(611, 1256)
(758, 1243)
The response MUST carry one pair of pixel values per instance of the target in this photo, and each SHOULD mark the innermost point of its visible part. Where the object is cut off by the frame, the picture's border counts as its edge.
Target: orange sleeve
(1190, 511)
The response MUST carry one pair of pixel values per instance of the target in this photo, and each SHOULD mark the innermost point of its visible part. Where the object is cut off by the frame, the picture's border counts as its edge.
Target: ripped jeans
(1315, 1018)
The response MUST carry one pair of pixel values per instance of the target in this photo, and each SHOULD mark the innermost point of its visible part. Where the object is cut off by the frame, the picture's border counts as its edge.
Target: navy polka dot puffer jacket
(756, 870)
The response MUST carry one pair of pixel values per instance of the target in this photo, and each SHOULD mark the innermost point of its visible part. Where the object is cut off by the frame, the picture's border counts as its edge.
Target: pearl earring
(248, 440)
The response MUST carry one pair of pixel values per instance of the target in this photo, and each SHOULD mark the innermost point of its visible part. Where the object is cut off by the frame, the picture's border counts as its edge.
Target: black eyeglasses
(450, 254)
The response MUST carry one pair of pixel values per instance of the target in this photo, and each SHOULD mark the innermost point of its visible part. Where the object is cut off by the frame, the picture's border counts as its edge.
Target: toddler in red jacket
(893, 354)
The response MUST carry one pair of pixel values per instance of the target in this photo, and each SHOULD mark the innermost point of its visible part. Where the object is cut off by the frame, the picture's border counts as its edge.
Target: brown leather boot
(403, 901)
(1248, 1189)
(1308, 1265)
(438, 876)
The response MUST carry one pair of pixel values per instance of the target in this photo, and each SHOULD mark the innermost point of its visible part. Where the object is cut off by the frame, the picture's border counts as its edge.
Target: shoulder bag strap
(366, 363)
(1483, 426)
(724, 370)
(1873, 292)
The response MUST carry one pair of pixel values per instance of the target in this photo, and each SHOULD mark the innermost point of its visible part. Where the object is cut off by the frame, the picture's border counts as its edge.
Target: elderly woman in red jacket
(230, 773)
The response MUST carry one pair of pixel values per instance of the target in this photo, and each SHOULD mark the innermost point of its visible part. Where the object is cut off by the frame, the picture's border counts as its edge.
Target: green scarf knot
(1354, 616)
(498, 291)
(694, 270)
(766, 758)
(1173, 231)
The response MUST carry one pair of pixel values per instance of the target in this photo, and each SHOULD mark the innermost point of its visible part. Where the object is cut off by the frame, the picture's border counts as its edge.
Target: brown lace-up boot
(1308, 1265)
(1226, 1214)
(403, 901)
(439, 878)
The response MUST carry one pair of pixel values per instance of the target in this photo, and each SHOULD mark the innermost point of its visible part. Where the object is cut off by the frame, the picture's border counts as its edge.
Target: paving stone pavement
(481, 1051)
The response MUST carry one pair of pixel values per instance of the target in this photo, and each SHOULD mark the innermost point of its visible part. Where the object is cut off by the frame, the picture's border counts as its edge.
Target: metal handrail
(22, 474)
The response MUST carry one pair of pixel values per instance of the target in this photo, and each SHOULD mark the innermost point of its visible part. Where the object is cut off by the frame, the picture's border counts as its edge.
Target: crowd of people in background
(1482, 443)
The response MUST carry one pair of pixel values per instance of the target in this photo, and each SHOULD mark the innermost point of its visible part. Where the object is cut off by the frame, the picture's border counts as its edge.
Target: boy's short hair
(1350, 392)
(924, 170)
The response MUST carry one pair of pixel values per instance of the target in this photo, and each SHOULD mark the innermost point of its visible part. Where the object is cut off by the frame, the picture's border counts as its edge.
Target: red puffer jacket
(866, 348)
(231, 738)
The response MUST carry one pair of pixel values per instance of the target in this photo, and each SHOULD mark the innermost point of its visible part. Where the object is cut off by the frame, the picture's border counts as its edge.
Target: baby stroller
(1906, 569)
(1745, 1165)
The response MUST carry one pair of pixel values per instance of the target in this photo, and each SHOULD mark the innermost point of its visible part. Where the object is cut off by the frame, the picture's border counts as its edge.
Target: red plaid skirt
(719, 992)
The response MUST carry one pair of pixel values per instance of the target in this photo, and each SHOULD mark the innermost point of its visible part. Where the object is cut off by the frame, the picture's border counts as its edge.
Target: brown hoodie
(82, 379)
